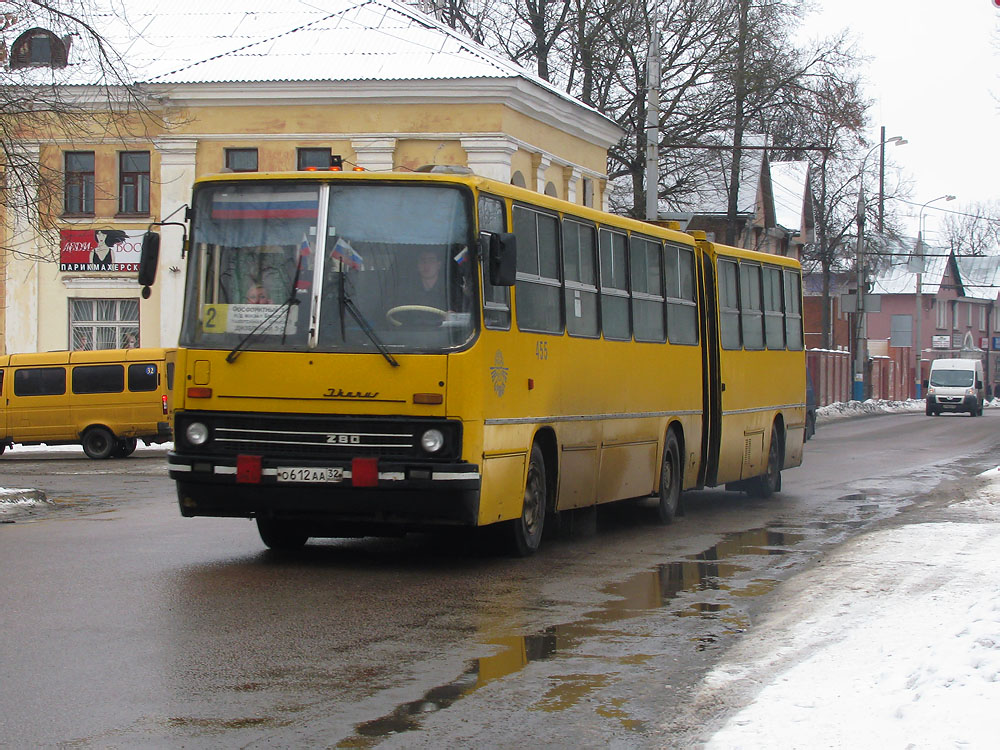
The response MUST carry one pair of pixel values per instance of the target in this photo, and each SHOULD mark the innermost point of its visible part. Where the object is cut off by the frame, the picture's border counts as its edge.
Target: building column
(541, 164)
(573, 178)
(21, 274)
(490, 156)
(177, 173)
(375, 154)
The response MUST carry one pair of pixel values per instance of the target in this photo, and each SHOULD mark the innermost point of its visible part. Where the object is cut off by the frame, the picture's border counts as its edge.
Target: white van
(955, 385)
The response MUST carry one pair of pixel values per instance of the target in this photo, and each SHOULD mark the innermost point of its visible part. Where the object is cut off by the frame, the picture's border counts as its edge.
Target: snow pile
(892, 642)
(14, 499)
(843, 409)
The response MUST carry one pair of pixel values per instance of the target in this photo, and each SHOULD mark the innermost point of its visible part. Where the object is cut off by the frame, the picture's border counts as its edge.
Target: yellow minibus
(106, 400)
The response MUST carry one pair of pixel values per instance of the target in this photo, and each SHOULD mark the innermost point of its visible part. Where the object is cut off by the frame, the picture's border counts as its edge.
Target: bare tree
(975, 231)
(37, 105)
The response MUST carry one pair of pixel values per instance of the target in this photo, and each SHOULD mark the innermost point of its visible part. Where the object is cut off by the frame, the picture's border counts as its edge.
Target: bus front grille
(317, 436)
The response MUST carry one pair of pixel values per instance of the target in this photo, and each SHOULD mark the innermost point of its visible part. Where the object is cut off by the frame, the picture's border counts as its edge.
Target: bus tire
(525, 533)
(670, 481)
(125, 447)
(98, 442)
(281, 535)
(770, 481)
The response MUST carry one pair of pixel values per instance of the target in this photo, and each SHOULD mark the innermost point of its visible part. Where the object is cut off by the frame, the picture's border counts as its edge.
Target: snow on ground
(893, 641)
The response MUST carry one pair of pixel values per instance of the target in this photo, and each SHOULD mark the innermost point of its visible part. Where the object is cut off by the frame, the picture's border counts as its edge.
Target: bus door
(711, 386)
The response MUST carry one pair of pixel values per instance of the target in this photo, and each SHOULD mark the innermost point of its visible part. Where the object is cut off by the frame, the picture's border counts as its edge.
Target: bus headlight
(432, 441)
(196, 433)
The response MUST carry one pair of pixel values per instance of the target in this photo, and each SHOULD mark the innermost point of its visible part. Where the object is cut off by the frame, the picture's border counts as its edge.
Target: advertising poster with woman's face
(116, 250)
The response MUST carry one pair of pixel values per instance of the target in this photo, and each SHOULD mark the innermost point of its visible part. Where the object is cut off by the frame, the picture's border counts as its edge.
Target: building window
(955, 312)
(241, 159)
(133, 182)
(941, 313)
(79, 195)
(588, 192)
(982, 318)
(103, 324)
(314, 158)
(38, 48)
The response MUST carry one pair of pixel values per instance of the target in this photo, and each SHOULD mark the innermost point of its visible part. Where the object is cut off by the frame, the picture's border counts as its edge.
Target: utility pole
(653, 126)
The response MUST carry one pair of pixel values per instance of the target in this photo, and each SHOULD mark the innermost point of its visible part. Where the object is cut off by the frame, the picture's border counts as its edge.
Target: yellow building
(261, 87)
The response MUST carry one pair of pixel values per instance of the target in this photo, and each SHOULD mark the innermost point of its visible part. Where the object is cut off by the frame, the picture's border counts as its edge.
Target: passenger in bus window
(258, 295)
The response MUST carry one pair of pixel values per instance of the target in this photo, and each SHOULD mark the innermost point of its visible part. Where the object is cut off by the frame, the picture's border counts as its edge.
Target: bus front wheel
(670, 481)
(281, 535)
(98, 442)
(526, 531)
(769, 482)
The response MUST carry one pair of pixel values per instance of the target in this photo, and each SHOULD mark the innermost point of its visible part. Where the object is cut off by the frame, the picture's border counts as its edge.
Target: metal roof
(261, 41)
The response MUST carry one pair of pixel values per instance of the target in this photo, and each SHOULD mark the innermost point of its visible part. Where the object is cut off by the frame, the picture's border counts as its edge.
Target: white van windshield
(952, 378)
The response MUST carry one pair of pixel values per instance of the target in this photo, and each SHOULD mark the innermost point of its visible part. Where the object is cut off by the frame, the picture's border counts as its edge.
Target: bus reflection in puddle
(635, 597)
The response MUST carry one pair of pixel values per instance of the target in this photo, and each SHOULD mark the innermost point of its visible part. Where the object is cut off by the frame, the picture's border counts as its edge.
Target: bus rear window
(142, 377)
(98, 379)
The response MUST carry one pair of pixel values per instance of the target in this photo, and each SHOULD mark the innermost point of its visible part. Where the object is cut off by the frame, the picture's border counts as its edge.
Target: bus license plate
(309, 474)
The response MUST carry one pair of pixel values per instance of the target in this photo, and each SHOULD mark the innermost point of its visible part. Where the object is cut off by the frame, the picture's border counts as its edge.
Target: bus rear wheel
(526, 531)
(281, 535)
(98, 442)
(670, 481)
(770, 481)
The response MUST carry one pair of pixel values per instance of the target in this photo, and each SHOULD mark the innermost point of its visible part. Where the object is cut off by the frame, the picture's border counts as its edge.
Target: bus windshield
(393, 271)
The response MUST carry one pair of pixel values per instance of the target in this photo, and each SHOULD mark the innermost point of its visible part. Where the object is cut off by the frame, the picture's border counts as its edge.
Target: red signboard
(114, 250)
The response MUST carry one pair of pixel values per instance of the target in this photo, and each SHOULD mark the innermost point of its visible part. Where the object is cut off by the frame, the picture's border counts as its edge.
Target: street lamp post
(861, 342)
(919, 261)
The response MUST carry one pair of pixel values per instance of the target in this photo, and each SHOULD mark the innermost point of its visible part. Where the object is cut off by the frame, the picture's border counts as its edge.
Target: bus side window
(774, 322)
(682, 310)
(40, 381)
(143, 377)
(729, 305)
(580, 269)
(793, 310)
(648, 314)
(98, 379)
(614, 286)
(751, 310)
(539, 289)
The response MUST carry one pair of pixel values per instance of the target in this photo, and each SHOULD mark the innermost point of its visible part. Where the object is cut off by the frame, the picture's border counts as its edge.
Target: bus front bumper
(382, 492)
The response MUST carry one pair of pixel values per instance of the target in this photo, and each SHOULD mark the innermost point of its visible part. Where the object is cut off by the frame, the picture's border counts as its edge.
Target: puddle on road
(635, 597)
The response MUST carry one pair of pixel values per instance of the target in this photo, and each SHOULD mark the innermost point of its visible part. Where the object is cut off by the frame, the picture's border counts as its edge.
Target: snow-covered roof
(261, 41)
(788, 186)
(711, 195)
(978, 276)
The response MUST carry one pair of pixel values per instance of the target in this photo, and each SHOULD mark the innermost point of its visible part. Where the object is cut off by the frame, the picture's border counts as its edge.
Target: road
(125, 625)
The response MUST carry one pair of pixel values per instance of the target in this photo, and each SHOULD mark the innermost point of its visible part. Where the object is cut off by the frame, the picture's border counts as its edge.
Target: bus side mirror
(148, 260)
(979, 384)
(502, 258)
(925, 385)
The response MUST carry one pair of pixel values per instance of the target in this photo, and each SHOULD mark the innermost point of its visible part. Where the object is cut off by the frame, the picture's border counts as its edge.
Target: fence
(890, 376)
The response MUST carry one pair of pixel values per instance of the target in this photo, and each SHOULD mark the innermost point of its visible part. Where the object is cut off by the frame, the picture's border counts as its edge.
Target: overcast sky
(934, 76)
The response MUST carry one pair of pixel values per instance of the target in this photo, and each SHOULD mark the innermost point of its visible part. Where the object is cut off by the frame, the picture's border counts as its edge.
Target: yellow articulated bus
(106, 400)
(369, 353)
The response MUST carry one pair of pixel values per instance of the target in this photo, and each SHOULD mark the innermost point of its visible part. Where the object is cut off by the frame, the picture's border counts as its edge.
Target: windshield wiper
(284, 307)
(346, 301)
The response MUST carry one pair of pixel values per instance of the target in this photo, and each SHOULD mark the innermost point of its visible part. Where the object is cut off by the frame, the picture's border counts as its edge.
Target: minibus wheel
(126, 447)
(98, 442)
